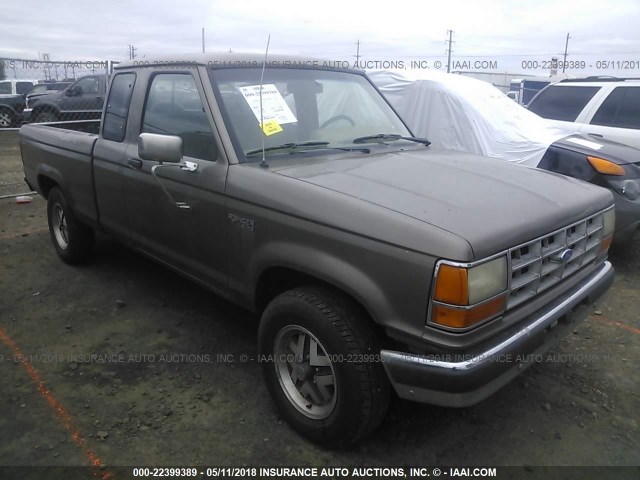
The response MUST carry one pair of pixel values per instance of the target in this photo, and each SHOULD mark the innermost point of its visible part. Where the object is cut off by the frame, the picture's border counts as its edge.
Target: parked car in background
(522, 90)
(11, 108)
(16, 87)
(47, 87)
(465, 114)
(12, 100)
(82, 100)
(603, 107)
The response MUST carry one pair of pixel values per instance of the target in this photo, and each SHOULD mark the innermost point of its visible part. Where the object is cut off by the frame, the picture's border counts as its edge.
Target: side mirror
(160, 148)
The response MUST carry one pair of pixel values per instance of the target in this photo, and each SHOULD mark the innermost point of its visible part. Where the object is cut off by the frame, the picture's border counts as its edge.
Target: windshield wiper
(384, 137)
(295, 146)
(288, 146)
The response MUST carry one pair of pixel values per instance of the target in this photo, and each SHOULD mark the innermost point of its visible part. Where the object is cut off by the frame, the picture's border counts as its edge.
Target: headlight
(466, 295)
(608, 226)
(609, 222)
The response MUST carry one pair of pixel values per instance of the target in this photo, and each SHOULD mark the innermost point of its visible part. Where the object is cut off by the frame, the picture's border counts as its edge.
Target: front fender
(326, 267)
(390, 283)
(44, 107)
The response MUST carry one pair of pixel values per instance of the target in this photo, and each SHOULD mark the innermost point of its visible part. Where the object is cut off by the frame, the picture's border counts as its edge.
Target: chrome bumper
(460, 380)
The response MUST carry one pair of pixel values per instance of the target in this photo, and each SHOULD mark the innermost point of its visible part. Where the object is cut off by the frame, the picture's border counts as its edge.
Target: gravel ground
(188, 390)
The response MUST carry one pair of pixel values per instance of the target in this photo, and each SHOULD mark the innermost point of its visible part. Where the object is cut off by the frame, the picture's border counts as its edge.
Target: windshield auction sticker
(270, 127)
(274, 106)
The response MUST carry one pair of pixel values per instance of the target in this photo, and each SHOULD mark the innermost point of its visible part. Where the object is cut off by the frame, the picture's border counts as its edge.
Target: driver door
(191, 239)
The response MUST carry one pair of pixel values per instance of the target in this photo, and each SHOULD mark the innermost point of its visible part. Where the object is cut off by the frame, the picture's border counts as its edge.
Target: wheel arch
(48, 178)
(44, 107)
(319, 270)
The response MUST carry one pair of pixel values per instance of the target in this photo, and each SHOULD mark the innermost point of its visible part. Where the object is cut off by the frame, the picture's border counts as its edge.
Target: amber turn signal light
(605, 244)
(606, 167)
(465, 318)
(452, 285)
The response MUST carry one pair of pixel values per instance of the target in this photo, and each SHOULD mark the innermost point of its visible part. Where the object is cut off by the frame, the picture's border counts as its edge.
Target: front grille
(535, 265)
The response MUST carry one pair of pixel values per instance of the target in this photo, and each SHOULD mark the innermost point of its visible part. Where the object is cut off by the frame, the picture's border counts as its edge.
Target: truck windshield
(322, 110)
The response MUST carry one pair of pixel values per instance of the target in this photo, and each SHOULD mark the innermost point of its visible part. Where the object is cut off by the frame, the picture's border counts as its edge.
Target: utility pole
(449, 50)
(566, 46)
(357, 53)
(132, 52)
(202, 39)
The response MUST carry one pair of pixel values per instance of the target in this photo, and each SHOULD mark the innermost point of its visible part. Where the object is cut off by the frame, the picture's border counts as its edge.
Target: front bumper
(460, 380)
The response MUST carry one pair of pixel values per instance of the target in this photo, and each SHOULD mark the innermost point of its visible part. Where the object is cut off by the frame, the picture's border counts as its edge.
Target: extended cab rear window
(562, 102)
(115, 118)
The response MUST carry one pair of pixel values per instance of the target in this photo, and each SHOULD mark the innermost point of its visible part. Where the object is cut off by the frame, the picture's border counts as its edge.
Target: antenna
(263, 164)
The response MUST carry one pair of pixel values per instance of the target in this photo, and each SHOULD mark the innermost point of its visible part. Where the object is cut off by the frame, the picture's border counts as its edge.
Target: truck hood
(42, 94)
(490, 203)
(45, 96)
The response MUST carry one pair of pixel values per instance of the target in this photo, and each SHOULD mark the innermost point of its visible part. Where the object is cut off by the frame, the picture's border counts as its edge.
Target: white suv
(16, 87)
(605, 107)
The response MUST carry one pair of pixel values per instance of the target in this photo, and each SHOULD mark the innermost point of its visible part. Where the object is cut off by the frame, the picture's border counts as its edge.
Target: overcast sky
(509, 32)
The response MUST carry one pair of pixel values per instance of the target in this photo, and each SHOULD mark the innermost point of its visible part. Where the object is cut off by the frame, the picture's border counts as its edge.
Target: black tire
(74, 241)
(362, 390)
(7, 118)
(46, 116)
(625, 253)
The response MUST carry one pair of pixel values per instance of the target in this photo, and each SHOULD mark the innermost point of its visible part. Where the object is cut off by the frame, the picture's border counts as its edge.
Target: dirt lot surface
(141, 367)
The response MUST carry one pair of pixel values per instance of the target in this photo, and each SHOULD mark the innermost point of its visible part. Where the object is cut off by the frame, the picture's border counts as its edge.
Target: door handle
(596, 135)
(134, 163)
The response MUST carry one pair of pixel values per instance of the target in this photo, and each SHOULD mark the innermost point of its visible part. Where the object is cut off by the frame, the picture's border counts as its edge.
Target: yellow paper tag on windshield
(270, 127)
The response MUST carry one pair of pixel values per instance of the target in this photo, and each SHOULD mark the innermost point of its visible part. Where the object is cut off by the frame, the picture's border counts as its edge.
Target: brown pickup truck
(376, 263)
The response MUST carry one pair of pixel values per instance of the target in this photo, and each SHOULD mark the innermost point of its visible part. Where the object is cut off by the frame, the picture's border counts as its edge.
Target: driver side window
(173, 107)
(88, 85)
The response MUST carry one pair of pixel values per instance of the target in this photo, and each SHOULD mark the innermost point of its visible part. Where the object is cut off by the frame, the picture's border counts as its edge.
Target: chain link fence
(44, 91)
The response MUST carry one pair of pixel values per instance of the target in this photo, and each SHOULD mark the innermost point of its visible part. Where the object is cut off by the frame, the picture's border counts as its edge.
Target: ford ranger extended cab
(376, 263)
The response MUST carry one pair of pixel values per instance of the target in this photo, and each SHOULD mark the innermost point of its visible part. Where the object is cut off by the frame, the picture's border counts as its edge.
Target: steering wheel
(335, 118)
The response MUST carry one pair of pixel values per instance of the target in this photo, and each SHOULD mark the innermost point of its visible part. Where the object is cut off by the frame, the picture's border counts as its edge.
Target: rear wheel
(319, 357)
(72, 239)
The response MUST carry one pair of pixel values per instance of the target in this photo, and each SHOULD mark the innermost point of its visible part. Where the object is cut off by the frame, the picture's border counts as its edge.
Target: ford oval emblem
(563, 257)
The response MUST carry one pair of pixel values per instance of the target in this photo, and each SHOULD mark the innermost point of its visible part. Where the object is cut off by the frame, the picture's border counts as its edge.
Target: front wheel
(46, 117)
(72, 239)
(319, 357)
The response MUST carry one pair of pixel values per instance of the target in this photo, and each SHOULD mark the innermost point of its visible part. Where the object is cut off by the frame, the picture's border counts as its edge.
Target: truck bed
(66, 157)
